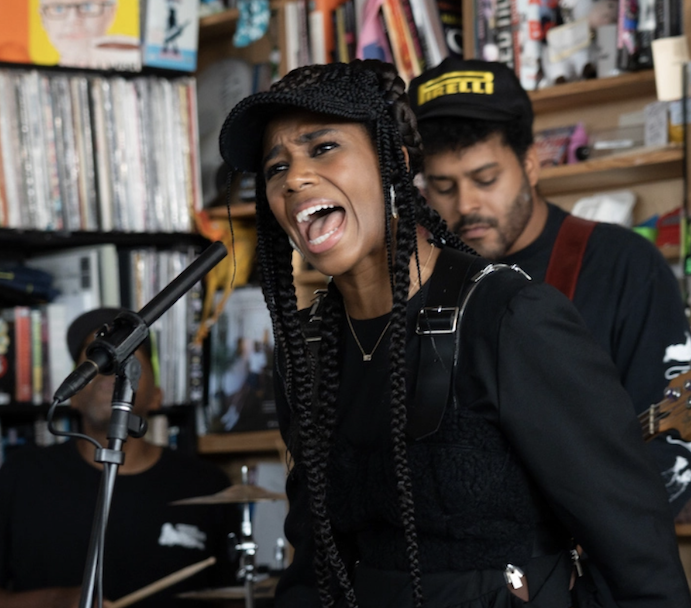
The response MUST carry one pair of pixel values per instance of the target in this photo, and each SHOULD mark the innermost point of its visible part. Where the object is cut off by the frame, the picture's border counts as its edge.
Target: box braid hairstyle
(369, 92)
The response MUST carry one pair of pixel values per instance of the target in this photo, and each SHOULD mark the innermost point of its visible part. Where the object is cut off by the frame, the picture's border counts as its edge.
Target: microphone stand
(112, 352)
(122, 423)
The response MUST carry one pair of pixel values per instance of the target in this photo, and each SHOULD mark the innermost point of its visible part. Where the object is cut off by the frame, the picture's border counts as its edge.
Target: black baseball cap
(348, 91)
(87, 323)
(470, 88)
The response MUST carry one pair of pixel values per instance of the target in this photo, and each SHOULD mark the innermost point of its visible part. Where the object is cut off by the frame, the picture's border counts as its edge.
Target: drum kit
(245, 494)
(255, 586)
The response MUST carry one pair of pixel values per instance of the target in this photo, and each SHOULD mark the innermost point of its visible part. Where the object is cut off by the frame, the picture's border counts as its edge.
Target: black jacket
(533, 384)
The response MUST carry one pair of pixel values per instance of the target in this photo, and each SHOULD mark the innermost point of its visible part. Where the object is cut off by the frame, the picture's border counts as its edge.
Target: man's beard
(98, 417)
(517, 216)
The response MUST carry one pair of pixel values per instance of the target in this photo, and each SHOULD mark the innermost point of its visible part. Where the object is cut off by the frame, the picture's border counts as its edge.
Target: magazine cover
(241, 366)
(103, 34)
(171, 34)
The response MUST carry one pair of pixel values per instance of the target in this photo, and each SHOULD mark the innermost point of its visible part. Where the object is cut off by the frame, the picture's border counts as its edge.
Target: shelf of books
(13, 240)
(575, 95)
(613, 171)
(99, 184)
(90, 151)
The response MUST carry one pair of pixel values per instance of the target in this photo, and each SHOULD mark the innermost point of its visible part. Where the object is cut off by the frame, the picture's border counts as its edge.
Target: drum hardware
(247, 548)
(280, 554)
(245, 494)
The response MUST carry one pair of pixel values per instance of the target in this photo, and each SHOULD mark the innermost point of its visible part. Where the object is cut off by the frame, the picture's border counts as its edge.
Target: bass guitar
(672, 413)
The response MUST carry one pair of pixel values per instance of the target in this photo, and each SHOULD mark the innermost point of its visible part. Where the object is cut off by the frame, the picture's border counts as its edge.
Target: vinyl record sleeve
(85, 152)
(66, 149)
(9, 141)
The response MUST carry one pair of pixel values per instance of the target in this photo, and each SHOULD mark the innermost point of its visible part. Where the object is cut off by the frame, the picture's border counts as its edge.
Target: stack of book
(34, 359)
(95, 152)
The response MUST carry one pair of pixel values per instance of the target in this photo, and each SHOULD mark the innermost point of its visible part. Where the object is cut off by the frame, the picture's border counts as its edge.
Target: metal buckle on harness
(432, 321)
(312, 331)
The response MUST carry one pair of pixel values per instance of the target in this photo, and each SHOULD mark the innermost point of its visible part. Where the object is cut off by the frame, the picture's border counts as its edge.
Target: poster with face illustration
(92, 34)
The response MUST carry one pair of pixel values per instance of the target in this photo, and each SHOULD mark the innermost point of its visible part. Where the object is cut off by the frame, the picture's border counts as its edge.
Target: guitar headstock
(672, 413)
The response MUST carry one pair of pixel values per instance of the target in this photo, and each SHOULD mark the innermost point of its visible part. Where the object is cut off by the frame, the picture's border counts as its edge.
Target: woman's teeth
(322, 238)
(305, 214)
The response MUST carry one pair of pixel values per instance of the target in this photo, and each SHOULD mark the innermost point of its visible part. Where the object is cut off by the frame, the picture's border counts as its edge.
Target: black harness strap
(455, 276)
(437, 324)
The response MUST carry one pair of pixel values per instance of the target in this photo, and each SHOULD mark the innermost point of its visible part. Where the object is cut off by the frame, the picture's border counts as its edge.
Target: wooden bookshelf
(575, 95)
(614, 171)
(671, 252)
(237, 210)
(218, 24)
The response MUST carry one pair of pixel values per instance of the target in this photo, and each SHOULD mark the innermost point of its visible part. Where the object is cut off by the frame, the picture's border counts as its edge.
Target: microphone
(113, 344)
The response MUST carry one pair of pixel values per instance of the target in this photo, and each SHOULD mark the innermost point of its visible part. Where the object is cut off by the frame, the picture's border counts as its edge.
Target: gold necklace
(366, 356)
(417, 280)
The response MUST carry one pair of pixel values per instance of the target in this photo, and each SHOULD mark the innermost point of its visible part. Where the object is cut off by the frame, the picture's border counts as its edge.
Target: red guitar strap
(567, 254)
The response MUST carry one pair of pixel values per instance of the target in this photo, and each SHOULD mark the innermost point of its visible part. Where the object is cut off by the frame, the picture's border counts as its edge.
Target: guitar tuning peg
(672, 394)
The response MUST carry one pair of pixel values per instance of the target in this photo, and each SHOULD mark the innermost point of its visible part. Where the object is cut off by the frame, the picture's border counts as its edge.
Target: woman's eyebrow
(304, 138)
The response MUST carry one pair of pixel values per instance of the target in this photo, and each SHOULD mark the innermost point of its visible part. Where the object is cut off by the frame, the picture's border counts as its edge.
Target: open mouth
(318, 222)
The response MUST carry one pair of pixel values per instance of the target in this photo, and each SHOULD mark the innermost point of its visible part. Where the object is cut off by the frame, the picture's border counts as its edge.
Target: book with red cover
(22, 354)
(406, 60)
(419, 43)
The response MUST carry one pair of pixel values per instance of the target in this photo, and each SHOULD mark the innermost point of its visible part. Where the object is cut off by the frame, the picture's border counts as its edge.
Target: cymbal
(233, 494)
(262, 589)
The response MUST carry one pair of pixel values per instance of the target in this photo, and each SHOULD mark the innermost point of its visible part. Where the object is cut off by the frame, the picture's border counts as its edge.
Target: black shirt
(47, 503)
(631, 302)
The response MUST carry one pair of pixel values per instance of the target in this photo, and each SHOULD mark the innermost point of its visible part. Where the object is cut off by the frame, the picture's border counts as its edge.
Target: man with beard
(48, 497)
(481, 174)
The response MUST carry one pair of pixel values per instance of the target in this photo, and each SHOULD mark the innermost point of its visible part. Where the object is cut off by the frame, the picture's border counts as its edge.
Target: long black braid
(392, 125)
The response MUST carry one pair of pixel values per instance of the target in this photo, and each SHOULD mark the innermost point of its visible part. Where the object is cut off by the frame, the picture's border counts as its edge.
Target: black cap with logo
(470, 88)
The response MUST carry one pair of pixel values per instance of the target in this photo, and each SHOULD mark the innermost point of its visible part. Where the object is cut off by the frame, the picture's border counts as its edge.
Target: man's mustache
(471, 219)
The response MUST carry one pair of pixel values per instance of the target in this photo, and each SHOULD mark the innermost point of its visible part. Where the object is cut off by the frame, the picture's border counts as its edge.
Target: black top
(530, 423)
(47, 502)
(631, 301)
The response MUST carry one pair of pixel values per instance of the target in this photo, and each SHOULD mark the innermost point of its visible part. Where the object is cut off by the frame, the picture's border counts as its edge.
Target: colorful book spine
(22, 354)
(36, 356)
(7, 356)
(401, 42)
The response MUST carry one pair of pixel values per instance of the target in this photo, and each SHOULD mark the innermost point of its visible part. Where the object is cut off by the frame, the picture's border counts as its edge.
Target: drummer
(48, 496)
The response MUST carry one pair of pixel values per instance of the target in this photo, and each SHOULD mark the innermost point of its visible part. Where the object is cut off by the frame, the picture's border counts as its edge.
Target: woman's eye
(322, 147)
(272, 170)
